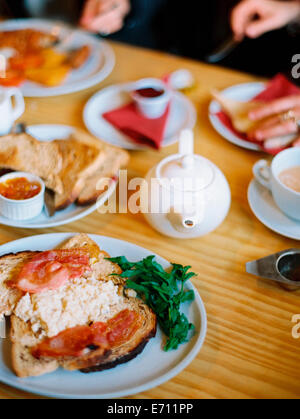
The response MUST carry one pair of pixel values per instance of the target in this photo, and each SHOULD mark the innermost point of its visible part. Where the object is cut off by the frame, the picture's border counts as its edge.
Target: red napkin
(277, 88)
(140, 129)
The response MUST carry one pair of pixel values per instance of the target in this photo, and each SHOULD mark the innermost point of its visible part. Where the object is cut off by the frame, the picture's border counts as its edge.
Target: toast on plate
(10, 265)
(80, 160)
(76, 168)
(94, 297)
(21, 152)
(238, 112)
(95, 184)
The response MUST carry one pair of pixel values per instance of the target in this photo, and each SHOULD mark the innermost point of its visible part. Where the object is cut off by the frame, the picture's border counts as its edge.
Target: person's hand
(104, 16)
(253, 18)
(283, 118)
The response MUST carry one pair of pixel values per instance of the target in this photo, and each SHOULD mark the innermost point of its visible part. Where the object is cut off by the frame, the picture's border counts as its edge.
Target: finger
(242, 14)
(275, 107)
(106, 6)
(259, 27)
(105, 22)
(89, 12)
(284, 128)
(270, 122)
(279, 142)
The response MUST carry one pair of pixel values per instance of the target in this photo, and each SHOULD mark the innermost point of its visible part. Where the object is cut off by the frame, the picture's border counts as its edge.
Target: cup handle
(261, 171)
(19, 107)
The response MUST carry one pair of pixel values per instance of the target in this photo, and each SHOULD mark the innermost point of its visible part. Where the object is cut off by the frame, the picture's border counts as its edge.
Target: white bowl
(151, 107)
(22, 209)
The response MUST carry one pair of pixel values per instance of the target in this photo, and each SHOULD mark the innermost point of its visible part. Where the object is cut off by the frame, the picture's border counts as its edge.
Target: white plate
(73, 212)
(182, 115)
(150, 369)
(265, 209)
(244, 93)
(96, 69)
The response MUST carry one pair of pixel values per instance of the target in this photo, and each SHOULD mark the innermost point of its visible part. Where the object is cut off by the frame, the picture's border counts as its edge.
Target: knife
(49, 203)
(223, 50)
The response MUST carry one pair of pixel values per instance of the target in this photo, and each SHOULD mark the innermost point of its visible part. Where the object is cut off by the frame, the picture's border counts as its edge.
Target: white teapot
(187, 195)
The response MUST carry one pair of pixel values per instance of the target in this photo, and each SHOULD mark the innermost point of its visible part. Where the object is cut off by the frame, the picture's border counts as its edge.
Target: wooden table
(249, 351)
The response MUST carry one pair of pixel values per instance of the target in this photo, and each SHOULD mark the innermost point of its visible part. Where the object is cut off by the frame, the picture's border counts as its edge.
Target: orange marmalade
(19, 189)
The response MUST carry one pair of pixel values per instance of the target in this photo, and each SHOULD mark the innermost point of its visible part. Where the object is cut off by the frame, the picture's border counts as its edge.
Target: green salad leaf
(163, 292)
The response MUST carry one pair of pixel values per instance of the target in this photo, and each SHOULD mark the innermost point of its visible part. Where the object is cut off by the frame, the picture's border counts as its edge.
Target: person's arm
(253, 18)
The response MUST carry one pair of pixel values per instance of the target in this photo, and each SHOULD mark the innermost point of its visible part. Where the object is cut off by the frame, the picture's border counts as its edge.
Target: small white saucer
(264, 208)
(183, 115)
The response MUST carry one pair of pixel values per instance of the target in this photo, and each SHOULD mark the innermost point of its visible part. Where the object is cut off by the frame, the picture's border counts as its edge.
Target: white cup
(26, 209)
(155, 107)
(9, 113)
(268, 176)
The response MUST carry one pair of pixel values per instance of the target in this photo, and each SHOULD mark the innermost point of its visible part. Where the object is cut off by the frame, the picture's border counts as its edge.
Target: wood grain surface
(249, 351)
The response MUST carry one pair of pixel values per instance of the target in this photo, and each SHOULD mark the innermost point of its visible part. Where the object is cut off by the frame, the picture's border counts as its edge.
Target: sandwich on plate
(69, 308)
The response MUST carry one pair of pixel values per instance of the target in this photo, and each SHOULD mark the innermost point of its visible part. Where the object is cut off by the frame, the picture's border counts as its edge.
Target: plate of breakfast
(180, 115)
(46, 58)
(79, 172)
(241, 93)
(88, 323)
(229, 114)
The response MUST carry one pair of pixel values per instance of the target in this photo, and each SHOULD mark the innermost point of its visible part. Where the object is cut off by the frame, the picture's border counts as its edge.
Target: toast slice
(132, 348)
(24, 336)
(96, 184)
(23, 340)
(24, 364)
(81, 158)
(9, 267)
(102, 267)
(238, 112)
(11, 264)
(24, 153)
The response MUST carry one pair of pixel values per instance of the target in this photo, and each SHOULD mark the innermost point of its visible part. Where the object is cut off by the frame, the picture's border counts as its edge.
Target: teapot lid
(186, 170)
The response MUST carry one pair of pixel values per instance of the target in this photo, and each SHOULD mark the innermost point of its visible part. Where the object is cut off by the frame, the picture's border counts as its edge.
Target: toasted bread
(74, 168)
(9, 267)
(81, 158)
(24, 338)
(238, 112)
(133, 347)
(102, 267)
(26, 154)
(95, 184)
(24, 364)
(26, 40)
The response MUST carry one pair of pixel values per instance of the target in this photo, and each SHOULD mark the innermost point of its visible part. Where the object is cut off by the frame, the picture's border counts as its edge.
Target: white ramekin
(153, 107)
(27, 208)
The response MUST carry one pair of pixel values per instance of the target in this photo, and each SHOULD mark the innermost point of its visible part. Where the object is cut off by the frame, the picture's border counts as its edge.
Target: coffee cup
(287, 199)
(10, 112)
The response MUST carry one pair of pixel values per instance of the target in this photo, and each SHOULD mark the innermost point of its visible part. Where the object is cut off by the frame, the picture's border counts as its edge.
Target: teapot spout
(184, 222)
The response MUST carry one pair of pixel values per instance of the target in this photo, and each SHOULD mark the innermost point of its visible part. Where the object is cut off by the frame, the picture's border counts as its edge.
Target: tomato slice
(70, 343)
(51, 270)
